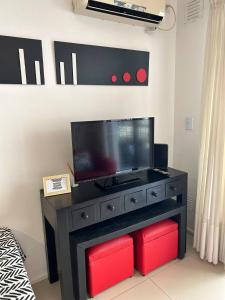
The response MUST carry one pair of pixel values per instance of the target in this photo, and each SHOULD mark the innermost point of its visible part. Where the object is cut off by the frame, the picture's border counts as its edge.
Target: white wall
(190, 47)
(35, 121)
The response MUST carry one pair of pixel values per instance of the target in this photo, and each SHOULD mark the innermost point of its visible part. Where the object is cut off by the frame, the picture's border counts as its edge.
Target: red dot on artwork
(141, 75)
(126, 77)
(114, 78)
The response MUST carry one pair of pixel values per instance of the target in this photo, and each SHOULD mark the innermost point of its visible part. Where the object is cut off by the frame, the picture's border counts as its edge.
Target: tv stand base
(115, 182)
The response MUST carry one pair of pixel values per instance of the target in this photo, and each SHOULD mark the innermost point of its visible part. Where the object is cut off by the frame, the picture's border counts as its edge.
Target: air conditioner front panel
(122, 11)
(154, 7)
(146, 13)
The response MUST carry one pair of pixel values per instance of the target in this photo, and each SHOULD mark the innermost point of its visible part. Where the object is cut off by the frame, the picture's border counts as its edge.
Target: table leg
(182, 220)
(51, 252)
(64, 256)
(79, 272)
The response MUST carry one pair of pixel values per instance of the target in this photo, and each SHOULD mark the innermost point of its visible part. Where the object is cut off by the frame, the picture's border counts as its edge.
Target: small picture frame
(56, 185)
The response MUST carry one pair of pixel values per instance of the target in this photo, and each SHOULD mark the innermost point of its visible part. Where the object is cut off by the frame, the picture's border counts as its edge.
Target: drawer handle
(154, 194)
(173, 188)
(84, 216)
(111, 207)
(133, 200)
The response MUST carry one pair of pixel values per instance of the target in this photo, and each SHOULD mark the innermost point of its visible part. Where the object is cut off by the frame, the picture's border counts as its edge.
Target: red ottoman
(155, 245)
(109, 263)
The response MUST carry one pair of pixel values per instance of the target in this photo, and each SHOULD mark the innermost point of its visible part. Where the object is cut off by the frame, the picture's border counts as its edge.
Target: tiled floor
(187, 279)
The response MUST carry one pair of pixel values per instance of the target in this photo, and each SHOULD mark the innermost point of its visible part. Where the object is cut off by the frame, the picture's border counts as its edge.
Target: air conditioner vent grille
(193, 10)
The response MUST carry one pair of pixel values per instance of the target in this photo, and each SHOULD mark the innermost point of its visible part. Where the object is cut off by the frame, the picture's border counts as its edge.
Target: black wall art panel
(21, 61)
(95, 65)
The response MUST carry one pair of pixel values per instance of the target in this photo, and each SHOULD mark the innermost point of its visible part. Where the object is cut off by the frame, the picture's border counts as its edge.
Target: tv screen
(109, 148)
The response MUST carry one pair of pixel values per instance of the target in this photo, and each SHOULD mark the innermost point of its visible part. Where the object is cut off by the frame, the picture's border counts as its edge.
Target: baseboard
(39, 278)
(190, 230)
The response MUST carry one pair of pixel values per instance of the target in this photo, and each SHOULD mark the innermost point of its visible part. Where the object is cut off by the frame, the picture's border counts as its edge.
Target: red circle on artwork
(126, 77)
(141, 75)
(114, 78)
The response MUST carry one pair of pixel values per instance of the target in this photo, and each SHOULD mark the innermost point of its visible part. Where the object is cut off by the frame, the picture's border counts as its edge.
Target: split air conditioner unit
(146, 13)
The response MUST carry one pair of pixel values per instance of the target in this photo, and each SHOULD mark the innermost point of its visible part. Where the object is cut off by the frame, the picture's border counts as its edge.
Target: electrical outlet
(189, 123)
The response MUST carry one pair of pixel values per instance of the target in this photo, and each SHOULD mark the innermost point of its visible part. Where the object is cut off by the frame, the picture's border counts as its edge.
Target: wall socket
(189, 123)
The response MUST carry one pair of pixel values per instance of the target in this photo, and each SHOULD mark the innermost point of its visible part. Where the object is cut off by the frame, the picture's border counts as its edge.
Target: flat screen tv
(112, 147)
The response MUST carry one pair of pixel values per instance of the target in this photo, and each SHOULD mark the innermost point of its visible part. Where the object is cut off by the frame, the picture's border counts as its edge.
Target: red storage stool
(155, 245)
(109, 263)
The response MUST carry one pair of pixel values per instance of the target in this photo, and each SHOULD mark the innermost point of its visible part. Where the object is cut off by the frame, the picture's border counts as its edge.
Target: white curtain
(209, 236)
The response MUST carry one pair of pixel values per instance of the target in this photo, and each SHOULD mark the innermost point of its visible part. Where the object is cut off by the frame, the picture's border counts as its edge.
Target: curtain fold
(209, 235)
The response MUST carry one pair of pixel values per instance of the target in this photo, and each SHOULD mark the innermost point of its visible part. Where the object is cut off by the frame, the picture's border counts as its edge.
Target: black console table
(89, 216)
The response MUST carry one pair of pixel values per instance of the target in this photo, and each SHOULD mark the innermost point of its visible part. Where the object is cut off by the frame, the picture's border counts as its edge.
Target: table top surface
(87, 191)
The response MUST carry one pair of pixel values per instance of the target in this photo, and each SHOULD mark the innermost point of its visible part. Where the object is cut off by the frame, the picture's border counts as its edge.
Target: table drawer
(135, 200)
(85, 216)
(111, 208)
(156, 194)
(174, 188)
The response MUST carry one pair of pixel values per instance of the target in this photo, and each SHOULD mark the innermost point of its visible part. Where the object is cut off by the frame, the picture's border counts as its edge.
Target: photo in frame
(56, 185)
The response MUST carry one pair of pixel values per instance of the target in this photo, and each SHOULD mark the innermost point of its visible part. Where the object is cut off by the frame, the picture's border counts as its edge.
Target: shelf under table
(127, 223)
(124, 224)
